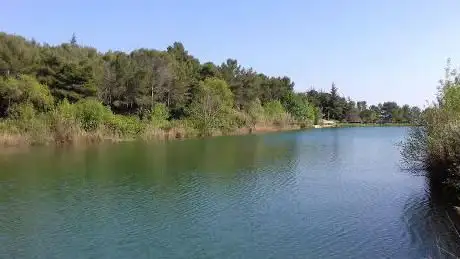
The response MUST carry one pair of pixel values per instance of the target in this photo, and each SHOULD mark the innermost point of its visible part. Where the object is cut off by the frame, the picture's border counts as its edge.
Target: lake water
(322, 193)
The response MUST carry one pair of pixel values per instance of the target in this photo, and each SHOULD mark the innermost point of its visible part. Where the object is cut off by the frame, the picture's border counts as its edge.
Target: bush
(433, 143)
(91, 114)
(240, 120)
(299, 107)
(25, 89)
(434, 147)
(27, 121)
(123, 125)
(274, 112)
(160, 115)
(256, 112)
(234, 120)
(22, 113)
(211, 110)
(64, 122)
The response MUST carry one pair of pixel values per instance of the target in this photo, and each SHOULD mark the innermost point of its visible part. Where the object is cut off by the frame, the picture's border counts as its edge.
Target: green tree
(24, 89)
(17, 55)
(361, 105)
(209, 70)
(91, 114)
(369, 116)
(212, 107)
(299, 107)
(275, 112)
(160, 115)
(256, 112)
(415, 114)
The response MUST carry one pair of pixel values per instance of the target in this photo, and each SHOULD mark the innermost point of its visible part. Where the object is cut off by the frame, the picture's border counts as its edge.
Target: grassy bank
(80, 137)
(89, 121)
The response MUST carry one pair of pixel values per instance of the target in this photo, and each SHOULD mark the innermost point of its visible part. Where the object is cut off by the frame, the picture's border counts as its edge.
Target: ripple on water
(316, 194)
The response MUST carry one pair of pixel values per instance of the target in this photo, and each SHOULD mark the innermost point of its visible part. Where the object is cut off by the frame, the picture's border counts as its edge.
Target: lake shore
(350, 125)
(11, 140)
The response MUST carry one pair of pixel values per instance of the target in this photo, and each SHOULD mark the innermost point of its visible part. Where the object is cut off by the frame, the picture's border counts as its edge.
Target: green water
(323, 193)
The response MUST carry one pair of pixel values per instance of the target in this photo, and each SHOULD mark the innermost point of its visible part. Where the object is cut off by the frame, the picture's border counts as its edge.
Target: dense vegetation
(434, 146)
(60, 93)
(339, 108)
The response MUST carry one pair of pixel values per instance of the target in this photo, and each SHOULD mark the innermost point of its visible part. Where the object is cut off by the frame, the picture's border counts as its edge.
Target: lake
(321, 193)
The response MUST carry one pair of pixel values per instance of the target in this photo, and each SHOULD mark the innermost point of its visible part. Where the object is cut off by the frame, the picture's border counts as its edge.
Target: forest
(59, 92)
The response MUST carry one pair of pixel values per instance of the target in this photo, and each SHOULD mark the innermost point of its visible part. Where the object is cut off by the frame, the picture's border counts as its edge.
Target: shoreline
(17, 140)
(361, 125)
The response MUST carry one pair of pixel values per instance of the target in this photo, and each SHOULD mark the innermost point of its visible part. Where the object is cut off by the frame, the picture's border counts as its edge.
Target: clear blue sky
(375, 50)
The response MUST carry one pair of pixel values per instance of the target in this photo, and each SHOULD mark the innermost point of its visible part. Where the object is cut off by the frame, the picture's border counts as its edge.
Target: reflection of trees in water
(88, 188)
(222, 158)
(432, 224)
(165, 165)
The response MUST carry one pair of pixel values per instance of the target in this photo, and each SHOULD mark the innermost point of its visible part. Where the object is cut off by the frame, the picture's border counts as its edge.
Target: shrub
(240, 120)
(274, 112)
(91, 114)
(64, 122)
(256, 112)
(299, 107)
(25, 89)
(22, 112)
(211, 110)
(123, 125)
(27, 121)
(433, 143)
(160, 115)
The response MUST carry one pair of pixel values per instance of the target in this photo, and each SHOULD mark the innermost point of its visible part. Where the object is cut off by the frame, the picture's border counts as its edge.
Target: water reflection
(93, 199)
(432, 224)
(314, 194)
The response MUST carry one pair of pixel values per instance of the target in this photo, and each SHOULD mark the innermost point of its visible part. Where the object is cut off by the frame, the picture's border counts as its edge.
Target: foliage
(26, 120)
(24, 112)
(256, 112)
(434, 144)
(69, 90)
(123, 126)
(299, 107)
(64, 122)
(159, 115)
(91, 114)
(212, 108)
(274, 112)
(335, 107)
(24, 89)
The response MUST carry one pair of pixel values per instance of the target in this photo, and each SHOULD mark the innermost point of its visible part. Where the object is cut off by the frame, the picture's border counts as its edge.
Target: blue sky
(373, 50)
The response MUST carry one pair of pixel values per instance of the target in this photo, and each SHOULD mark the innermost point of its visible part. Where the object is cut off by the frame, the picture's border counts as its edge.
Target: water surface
(323, 193)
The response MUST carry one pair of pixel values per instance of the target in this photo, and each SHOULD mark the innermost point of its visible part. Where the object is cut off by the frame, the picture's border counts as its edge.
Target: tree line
(335, 107)
(172, 83)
